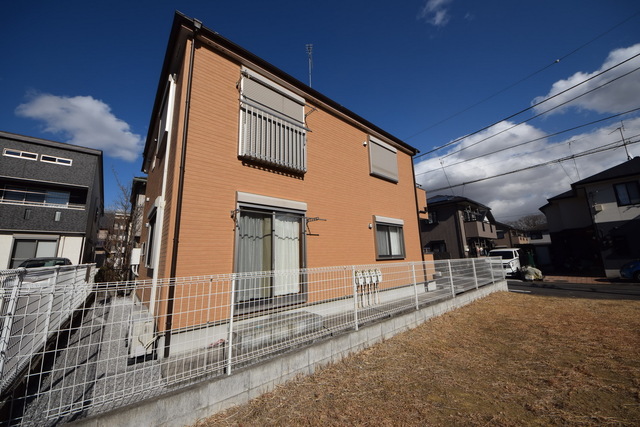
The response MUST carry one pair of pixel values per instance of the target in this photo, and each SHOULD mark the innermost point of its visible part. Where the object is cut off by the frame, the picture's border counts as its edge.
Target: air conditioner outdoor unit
(598, 207)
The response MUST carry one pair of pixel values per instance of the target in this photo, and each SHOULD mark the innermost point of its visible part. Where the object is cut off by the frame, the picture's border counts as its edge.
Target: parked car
(631, 270)
(44, 262)
(510, 260)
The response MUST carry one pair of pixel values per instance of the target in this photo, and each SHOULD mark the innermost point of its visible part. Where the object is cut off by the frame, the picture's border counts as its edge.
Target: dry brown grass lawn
(509, 359)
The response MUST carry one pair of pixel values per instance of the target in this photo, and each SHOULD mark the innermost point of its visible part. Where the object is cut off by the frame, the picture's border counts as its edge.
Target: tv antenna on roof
(624, 141)
(310, 54)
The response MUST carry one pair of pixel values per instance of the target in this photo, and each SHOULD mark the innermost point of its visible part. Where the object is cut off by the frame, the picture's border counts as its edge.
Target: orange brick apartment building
(251, 170)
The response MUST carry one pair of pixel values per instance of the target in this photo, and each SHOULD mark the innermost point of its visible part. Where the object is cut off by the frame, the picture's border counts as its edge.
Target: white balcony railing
(271, 140)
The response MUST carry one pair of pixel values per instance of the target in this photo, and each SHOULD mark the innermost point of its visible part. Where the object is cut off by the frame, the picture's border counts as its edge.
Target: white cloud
(84, 121)
(435, 12)
(515, 195)
(621, 95)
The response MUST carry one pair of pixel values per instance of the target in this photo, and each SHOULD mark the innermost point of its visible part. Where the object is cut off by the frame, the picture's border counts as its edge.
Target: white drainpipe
(161, 202)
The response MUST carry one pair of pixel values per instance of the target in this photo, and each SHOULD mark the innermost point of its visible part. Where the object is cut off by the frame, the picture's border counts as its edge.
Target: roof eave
(181, 21)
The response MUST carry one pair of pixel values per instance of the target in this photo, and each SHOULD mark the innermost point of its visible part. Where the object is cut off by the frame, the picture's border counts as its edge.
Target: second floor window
(627, 193)
(18, 193)
(272, 128)
(25, 195)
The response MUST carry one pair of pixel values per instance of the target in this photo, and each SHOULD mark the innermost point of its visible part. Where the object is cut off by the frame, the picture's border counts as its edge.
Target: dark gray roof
(565, 195)
(446, 199)
(628, 168)
(46, 142)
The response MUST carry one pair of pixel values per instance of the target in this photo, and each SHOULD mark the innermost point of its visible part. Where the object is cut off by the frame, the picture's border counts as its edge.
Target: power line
(533, 106)
(533, 140)
(524, 78)
(544, 112)
(573, 156)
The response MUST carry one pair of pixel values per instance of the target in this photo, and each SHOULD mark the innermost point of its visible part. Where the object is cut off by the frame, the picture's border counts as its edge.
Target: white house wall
(6, 241)
(603, 194)
(71, 247)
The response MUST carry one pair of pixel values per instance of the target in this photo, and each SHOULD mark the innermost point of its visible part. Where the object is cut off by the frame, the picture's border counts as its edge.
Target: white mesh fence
(72, 348)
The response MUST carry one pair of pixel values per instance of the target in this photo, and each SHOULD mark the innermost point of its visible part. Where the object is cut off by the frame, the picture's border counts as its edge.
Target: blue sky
(427, 71)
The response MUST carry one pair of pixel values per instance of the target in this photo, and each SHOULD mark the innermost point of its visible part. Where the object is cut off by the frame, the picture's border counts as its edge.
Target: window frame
(37, 240)
(386, 223)
(272, 207)
(20, 155)
(625, 185)
(46, 158)
(270, 134)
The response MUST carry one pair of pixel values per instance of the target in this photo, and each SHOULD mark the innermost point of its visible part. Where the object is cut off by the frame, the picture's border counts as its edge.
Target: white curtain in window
(395, 238)
(254, 254)
(46, 248)
(287, 249)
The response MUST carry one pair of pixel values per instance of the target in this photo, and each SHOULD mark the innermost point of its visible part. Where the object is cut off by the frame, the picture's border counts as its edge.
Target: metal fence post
(415, 284)
(493, 280)
(231, 314)
(47, 319)
(355, 296)
(475, 274)
(8, 323)
(453, 289)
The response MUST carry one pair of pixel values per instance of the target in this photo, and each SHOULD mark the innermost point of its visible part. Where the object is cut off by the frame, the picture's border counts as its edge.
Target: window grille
(271, 140)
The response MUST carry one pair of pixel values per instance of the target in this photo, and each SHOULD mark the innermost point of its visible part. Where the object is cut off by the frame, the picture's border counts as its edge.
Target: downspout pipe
(183, 156)
(415, 196)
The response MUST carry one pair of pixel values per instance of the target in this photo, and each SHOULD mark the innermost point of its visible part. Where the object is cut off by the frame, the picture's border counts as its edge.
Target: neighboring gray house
(510, 237)
(595, 226)
(457, 228)
(51, 198)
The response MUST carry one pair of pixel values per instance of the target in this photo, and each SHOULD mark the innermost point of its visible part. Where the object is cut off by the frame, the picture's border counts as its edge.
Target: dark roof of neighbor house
(48, 143)
(181, 22)
(565, 195)
(446, 199)
(628, 168)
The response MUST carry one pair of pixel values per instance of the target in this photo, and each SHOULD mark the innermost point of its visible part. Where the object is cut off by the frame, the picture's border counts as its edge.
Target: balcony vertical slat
(269, 139)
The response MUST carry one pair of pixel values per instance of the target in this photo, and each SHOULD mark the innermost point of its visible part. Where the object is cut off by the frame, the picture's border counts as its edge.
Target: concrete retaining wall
(186, 406)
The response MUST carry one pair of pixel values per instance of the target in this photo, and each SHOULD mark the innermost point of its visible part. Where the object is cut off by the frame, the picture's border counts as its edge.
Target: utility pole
(310, 55)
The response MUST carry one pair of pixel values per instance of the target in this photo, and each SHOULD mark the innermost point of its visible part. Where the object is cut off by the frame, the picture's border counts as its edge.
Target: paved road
(616, 291)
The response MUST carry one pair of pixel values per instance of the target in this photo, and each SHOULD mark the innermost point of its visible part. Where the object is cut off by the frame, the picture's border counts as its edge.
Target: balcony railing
(75, 206)
(270, 140)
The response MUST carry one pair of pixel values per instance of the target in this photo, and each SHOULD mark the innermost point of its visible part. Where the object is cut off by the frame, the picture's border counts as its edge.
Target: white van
(510, 260)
